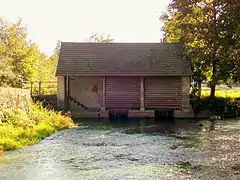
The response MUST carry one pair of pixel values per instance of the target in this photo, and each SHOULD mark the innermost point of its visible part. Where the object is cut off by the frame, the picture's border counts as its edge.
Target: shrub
(219, 106)
(20, 127)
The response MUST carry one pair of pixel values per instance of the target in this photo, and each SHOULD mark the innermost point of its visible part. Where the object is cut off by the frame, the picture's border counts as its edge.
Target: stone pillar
(186, 110)
(60, 92)
(142, 106)
(185, 93)
(103, 108)
(66, 93)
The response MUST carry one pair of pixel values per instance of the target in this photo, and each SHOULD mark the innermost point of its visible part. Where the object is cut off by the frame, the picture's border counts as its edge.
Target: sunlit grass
(20, 128)
(222, 92)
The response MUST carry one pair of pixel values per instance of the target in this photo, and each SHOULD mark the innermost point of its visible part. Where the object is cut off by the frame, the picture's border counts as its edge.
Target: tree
(57, 48)
(206, 27)
(100, 38)
(14, 48)
(21, 59)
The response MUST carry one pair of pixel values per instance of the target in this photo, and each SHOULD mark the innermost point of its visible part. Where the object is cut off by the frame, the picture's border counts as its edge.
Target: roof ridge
(79, 42)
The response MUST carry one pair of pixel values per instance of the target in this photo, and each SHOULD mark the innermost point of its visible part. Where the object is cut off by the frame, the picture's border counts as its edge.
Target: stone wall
(87, 91)
(60, 92)
(186, 111)
(185, 92)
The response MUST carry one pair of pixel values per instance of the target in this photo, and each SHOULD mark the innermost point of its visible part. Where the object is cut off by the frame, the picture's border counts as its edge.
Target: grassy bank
(20, 127)
(219, 106)
(222, 92)
(226, 102)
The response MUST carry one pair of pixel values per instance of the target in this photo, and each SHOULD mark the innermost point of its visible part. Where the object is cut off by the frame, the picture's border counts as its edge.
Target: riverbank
(23, 123)
(20, 128)
(216, 108)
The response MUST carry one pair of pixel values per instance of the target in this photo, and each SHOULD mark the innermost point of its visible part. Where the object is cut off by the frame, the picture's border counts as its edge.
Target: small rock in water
(201, 125)
(173, 147)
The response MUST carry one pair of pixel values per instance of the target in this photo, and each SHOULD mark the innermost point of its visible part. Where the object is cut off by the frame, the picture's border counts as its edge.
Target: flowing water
(206, 150)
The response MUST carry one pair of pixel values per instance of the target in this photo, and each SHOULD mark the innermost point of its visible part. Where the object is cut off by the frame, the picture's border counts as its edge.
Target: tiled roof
(122, 59)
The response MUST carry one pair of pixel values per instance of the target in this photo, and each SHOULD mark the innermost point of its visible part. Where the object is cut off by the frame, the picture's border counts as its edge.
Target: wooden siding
(162, 92)
(122, 93)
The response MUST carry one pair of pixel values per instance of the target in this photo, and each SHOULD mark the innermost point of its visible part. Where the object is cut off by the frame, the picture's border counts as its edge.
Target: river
(203, 150)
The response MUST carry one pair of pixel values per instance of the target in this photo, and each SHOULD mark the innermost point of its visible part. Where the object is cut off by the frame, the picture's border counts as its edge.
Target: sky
(48, 21)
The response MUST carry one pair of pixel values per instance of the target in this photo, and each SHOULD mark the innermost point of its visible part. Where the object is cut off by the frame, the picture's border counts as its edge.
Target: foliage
(225, 103)
(21, 59)
(219, 106)
(100, 38)
(210, 30)
(223, 93)
(20, 128)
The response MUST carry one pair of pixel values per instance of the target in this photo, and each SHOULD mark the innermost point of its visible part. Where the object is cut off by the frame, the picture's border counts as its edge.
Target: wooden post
(21, 84)
(31, 88)
(103, 108)
(18, 101)
(39, 87)
(142, 106)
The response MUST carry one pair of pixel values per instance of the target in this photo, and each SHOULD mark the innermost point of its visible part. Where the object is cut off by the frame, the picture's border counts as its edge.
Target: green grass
(225, 103)
(224, 92)
(20, 128)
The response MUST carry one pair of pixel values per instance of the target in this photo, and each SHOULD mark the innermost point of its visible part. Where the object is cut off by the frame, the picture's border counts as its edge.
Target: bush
(20, 128)
(219, 106)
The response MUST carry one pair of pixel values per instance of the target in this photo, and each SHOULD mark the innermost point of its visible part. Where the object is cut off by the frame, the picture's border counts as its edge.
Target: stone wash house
(136, 78)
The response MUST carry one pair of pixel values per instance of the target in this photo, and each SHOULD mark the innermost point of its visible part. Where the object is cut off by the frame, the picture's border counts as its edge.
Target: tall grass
(20, 128)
